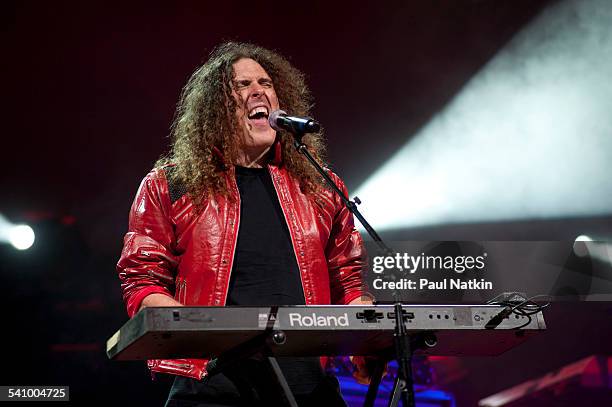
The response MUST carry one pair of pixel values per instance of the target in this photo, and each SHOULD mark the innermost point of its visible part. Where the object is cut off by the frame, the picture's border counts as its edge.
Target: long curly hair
(205, 127)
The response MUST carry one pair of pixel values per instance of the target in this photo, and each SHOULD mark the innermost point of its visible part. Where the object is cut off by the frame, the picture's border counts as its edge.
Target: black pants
(250, 384)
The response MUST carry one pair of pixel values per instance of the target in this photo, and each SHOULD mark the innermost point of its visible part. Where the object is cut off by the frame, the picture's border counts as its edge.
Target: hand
(159, 300)
(364, 367)
(362, 301)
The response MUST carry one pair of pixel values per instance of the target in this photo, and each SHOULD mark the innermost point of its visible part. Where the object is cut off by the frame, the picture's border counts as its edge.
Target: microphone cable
(515, 303)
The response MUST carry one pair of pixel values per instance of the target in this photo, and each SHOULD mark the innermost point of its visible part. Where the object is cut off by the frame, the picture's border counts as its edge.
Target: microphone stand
(350, 205)
(402, 341)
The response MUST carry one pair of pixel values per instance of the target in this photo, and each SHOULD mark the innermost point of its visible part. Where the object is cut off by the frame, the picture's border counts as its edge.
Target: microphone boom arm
(350, 205)
(403, 388)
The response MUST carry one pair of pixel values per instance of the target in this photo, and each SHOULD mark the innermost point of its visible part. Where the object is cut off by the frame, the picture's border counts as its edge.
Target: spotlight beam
(529, 137)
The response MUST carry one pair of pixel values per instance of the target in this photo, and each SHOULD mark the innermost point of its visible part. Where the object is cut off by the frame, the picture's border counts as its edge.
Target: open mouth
(259, 114)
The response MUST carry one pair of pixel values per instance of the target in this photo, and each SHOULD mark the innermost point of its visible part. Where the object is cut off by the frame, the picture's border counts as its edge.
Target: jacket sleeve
(346, 255)
(147, 264)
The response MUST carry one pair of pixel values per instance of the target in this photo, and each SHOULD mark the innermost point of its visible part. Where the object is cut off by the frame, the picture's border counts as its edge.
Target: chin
(263, 139)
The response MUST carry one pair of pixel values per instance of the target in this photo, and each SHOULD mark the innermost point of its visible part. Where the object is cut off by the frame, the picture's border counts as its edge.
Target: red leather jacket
(171, 249)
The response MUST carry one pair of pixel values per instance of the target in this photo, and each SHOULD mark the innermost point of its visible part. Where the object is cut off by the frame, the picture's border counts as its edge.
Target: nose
(256, 90)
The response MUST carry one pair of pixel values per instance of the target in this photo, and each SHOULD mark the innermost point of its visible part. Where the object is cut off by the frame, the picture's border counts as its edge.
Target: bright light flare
(21, 237)
(600, 249)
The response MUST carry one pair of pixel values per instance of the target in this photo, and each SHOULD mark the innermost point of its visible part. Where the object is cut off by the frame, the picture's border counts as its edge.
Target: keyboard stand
(259, 345)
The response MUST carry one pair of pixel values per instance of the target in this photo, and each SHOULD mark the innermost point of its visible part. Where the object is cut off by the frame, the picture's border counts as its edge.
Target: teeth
(258, 109)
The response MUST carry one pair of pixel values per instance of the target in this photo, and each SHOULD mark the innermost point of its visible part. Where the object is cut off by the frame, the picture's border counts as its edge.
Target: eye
(266, 82)
(241, 84)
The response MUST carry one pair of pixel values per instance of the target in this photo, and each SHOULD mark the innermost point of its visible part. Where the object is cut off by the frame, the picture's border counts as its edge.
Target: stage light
(21, 237)
(528, 137)
(600, 249)
(580, 247)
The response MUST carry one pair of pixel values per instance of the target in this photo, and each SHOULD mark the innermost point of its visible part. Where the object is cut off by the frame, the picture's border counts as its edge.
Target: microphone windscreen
(274, 116)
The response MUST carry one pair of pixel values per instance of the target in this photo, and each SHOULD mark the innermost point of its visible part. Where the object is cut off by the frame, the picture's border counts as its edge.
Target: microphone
(279, 120)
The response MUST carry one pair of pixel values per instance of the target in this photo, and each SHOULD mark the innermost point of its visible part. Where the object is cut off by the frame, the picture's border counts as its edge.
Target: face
(256, 99)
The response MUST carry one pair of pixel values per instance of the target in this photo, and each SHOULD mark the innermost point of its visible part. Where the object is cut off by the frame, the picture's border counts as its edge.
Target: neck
(253, 159)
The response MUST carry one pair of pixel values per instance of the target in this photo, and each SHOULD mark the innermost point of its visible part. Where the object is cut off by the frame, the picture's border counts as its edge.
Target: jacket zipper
(148, 253)
(179, 365)
(178, 289)
(159, 275)
(297, 259)
(181, 213)
(181, 290)
(237, 228)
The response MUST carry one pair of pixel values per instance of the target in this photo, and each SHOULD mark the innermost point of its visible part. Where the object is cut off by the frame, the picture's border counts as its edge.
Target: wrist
(159, 300)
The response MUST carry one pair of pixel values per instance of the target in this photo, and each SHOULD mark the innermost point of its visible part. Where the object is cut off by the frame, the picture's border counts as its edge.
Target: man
(235, 216)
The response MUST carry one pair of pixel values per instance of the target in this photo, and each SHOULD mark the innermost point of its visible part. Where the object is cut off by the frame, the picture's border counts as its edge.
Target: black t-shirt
(265, 271)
